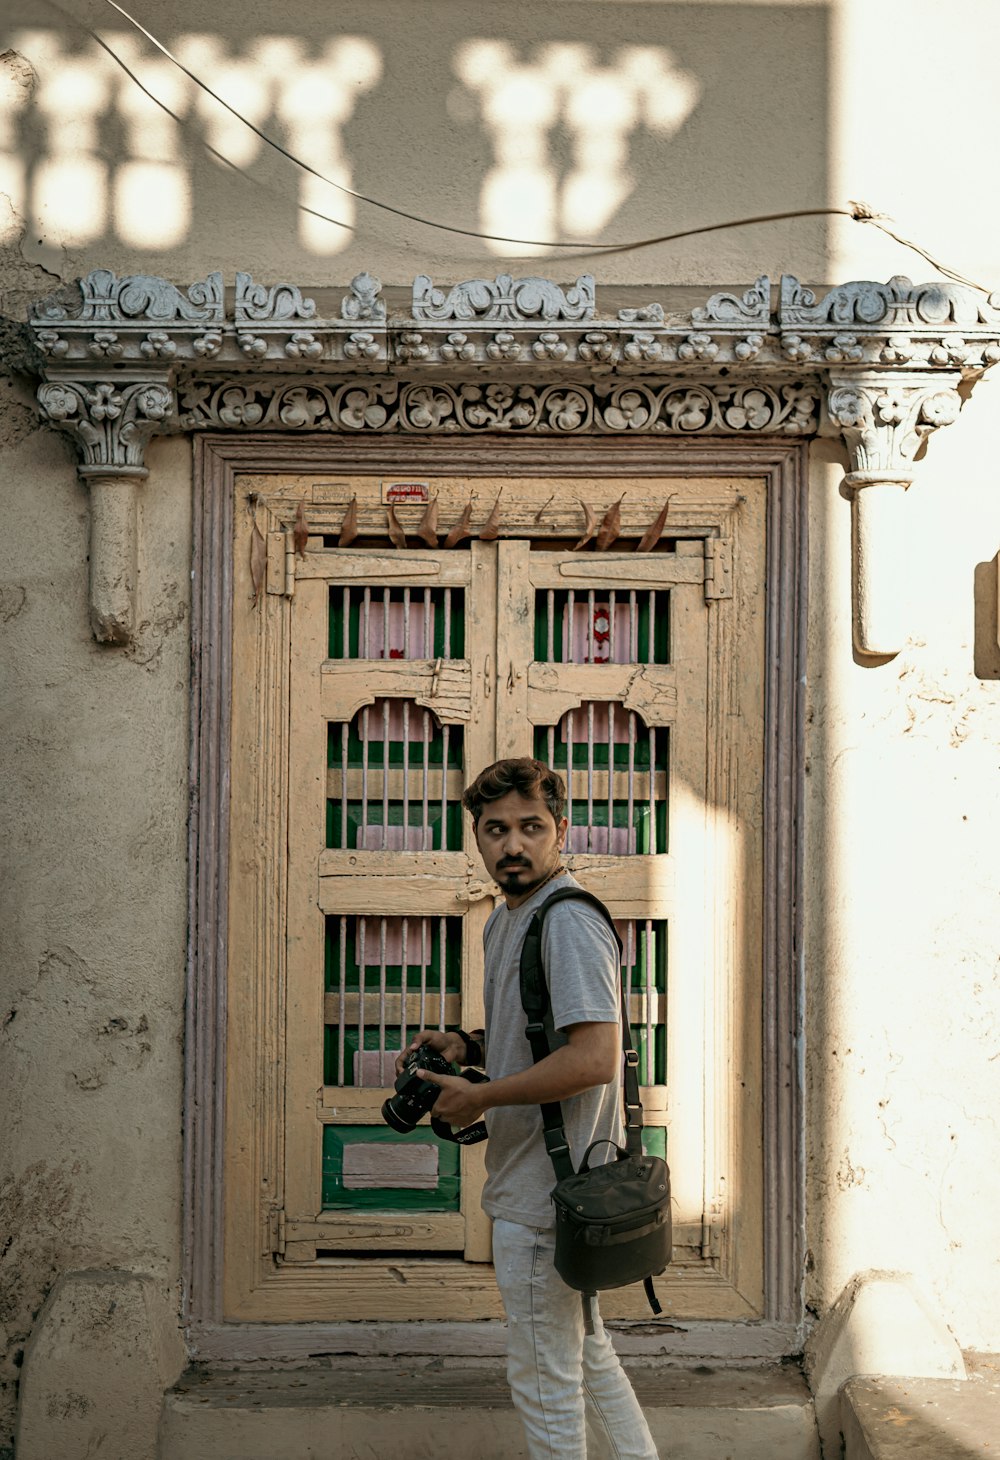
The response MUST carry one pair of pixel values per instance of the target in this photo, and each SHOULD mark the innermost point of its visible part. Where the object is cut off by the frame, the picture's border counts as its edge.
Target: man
(565, 1384)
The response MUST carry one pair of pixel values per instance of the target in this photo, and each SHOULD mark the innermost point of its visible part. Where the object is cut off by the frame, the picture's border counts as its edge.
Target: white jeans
(566, 1385)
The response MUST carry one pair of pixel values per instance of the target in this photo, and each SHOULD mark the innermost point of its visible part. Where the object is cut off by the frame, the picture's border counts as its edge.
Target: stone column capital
(883, 419)
(109, 420)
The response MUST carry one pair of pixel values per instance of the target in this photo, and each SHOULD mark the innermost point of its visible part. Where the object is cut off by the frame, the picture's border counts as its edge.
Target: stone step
(924, 1419)
(401, 1409)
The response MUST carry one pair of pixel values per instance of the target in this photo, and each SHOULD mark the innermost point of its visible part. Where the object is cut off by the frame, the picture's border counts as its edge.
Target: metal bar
(590, 774)
(381, 994)
(345, 609)
(630, 817)
(611, 773)
(344, 736)
(650, 655)
(629, 964)
(550, 625)
(404, 943)
(406, 623)
(424, 923)
(366, 625)
(569, 780)
(364, 776)
(425, 830)
(406, 775)
(590, 627)
(650, 1061)
(385, 622)
(342, 1005)
(570, 627)
(633, 628)
(428, 642)
(611, 627)
(385, 778)
(551, 737)
(447, 626)
(442, 934)
(359, 926)
(443, 838)
(652, 790)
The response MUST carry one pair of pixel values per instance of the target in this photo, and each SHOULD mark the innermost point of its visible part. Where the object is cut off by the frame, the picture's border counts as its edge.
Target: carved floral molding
(120, 359)
(568, 407)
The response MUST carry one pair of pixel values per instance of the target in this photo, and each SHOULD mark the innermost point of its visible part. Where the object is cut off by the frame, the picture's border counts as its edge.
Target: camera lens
(392, 1117)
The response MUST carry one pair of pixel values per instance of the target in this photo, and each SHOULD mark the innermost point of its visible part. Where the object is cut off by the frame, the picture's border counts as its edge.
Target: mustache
(510, 862)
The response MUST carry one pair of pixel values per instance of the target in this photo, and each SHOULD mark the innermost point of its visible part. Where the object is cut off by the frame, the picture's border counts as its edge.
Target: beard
(521, 878)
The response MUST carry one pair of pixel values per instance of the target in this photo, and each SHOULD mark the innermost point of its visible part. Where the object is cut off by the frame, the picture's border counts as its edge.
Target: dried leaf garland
(427, 529)
(258, 562)
(349, 526)
(653, 534)
(300, 532)
(490, 529)
(461, 529)
(589, 527)
(396, 534)
(611, 525)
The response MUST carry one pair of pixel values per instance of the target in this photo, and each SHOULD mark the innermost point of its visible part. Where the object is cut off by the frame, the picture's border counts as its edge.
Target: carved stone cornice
(517, 328)
(120, 359)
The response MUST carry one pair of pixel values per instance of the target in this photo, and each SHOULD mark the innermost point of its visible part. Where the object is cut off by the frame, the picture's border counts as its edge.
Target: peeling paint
(49, 1228)
(13, 599)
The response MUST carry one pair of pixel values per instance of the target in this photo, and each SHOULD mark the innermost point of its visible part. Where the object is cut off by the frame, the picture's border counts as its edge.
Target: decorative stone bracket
(138, 355)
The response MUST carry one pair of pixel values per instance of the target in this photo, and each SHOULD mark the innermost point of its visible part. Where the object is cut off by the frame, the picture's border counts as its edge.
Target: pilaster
(883, 421)
(110, 422)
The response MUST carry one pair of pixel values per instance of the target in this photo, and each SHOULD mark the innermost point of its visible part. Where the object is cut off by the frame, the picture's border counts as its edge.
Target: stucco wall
(901, 882)
(93, 764)
(760, 108)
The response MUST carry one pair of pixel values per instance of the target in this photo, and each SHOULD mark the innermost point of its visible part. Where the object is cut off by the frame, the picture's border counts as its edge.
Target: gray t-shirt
(581, 967)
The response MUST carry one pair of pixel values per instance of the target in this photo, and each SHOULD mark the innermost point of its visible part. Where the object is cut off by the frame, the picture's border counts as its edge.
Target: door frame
(218, 459)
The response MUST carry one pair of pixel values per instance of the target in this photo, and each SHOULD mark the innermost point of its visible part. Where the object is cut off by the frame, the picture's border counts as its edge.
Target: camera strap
(469, 1135)
(535, 1001)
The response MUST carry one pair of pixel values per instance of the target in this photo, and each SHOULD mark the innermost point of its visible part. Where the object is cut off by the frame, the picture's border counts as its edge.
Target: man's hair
(530, 778)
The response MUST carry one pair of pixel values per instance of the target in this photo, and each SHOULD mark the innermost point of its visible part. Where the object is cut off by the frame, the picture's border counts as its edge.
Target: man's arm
(591, 1057)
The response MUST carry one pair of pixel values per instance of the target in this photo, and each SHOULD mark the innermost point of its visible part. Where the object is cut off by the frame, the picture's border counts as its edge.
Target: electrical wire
(859, 212)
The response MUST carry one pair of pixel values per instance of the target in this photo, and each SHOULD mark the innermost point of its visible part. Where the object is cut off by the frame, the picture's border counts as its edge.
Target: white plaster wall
(770, 107)
(903, 1033)
(903, 804)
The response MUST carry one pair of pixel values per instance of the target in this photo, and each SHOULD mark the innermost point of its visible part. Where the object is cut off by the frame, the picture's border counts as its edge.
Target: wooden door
(386, 679)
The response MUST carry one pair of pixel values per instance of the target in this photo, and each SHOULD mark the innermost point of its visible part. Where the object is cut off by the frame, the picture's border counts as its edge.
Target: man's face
(520, 842)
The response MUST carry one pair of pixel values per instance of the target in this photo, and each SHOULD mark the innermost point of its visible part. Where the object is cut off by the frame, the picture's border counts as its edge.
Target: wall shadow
(577, 119)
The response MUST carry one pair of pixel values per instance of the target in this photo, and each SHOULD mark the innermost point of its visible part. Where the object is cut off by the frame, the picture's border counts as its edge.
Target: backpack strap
(535, 1001)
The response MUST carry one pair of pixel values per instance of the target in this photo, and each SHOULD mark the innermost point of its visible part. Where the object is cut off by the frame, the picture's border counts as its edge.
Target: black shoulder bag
(613, 1223)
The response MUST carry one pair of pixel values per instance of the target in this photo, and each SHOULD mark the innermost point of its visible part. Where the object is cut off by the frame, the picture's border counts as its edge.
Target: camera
(414, 1095)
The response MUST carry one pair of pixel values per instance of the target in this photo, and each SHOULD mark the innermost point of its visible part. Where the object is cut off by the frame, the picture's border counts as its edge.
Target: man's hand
(446, 1042)
(460, 1102)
